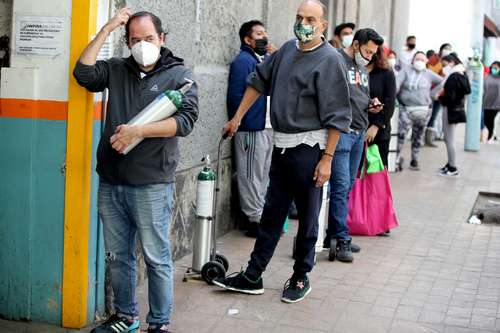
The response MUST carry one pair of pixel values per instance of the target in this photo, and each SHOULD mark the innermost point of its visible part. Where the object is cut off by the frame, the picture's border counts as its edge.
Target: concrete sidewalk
(435, 273)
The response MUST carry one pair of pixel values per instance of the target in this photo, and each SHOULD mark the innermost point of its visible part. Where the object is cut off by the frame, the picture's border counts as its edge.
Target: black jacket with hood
(455, 89)
(154, 160)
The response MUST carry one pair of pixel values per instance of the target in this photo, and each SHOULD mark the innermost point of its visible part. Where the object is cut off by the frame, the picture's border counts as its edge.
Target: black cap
(342, 26)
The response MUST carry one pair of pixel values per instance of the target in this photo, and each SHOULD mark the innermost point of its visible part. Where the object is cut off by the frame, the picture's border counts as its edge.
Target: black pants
(383, 148)
(290, 178)
(489, 121)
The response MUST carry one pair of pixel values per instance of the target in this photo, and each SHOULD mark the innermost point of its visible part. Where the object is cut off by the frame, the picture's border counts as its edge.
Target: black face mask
(411, 46)
(260, 46)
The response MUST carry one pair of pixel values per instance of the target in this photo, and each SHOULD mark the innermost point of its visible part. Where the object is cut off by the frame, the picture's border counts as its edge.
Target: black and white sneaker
(239, 282)
(296, 289)
(444, 169)
(117, 324)
(450, 172)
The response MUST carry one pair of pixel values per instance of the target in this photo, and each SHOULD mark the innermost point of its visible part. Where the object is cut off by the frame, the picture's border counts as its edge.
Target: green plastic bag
(373, 160)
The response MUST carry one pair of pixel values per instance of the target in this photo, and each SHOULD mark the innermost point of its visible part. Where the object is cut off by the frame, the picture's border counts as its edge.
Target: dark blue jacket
(241, 67)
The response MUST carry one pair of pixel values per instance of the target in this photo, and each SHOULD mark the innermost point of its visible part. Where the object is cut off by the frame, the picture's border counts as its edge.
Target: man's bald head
(318, 4)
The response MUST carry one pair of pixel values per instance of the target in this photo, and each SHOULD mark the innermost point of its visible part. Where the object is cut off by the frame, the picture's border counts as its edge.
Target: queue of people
(300, 116)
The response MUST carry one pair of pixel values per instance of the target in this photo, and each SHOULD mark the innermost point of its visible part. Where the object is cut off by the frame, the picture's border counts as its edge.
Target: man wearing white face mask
(414, 86)
(343, 35)
(136, 189)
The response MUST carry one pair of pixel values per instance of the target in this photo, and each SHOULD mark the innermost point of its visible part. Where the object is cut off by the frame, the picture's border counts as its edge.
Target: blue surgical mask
(494, 71)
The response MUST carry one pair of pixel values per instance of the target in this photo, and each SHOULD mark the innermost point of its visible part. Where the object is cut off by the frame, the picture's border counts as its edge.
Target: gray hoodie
(308, 90)
(414, 88)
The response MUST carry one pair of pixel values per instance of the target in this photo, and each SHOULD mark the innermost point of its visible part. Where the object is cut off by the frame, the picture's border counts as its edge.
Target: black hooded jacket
(154, 160)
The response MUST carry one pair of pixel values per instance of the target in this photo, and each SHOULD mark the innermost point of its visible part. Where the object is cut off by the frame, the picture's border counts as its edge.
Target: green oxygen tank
(202, 240)
(162, 107)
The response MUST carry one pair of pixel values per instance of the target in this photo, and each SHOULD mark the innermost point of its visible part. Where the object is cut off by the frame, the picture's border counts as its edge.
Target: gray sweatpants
(253, 152)
(449, 139)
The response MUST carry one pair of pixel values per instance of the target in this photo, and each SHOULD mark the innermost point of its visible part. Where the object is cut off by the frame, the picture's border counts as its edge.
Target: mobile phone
(374, 106)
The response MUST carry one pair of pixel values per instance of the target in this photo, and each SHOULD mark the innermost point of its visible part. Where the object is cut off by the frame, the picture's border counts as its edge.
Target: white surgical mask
(392, 62)
(445, 52)
(447, 70)
(419, 65)
(347, 40)
(360, 60)
(145, 53)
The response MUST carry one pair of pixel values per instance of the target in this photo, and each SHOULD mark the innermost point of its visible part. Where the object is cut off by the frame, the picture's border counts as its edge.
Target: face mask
(411, 46)
(304, 33)
(392, 62)
(360, 60)
(260, 46)
(445, 52)
(347, 41)
(419, 65)
(447, 70)
(145, 53)
(494, 71)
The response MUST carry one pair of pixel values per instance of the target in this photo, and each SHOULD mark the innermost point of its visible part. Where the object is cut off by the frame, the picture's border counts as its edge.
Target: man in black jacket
(136, 190)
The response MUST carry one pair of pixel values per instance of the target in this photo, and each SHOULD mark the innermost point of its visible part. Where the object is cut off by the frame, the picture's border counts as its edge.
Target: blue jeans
(345, 167)
(145, 210)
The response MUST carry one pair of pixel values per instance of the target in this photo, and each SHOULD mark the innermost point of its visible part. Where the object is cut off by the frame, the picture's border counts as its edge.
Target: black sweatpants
(290, 178)
(489, 121)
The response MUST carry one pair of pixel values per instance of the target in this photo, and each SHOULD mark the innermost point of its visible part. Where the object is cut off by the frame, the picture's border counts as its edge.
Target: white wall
(435, 22)
(52, 71)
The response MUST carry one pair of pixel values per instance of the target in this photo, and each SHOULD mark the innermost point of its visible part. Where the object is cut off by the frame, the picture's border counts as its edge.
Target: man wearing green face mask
(307, 82)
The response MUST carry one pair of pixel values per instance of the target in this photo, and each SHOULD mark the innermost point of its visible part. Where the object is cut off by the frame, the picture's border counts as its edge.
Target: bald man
(307, 81)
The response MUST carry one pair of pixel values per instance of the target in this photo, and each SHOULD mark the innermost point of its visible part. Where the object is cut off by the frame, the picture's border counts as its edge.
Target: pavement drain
(486, 209)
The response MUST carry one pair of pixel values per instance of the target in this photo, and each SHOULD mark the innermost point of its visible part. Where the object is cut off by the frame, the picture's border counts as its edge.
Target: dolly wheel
(223, 260)
(212, 270)
(333, 249)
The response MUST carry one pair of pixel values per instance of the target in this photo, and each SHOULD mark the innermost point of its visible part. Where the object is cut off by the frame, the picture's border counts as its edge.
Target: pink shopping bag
(371, 208)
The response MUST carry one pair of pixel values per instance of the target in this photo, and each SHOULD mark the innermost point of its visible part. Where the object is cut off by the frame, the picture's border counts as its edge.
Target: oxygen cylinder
(162, 107)
(202, 240)
(474, 104)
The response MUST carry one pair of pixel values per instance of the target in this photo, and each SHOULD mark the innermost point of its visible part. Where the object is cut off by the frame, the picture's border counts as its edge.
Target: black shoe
(414, 165)
(344, 252)
(240, 283)
(384, 234)
(296, 289)
(117, 324)
(159, 329)
(444, 169)
(252, 230)
(355, 248)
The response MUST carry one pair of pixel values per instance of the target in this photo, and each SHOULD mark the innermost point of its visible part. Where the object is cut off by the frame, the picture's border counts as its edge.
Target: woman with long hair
(452, 98)
(383, 86)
